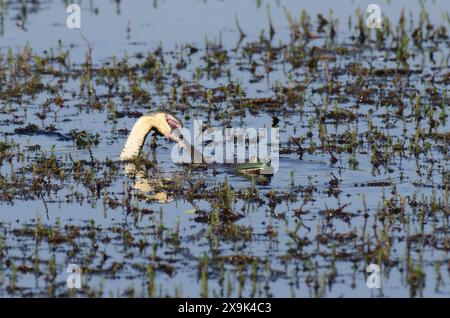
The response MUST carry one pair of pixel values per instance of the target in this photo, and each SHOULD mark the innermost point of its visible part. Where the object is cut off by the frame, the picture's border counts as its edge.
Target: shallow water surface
(363, 172)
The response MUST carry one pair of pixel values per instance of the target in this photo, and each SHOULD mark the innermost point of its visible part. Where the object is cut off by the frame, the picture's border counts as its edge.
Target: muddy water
(359, 181)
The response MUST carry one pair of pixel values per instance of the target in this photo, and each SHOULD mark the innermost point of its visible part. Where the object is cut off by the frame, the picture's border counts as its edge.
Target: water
(297, 234)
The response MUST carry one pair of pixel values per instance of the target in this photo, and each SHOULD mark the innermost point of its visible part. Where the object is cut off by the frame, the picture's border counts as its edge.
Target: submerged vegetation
(364, 166)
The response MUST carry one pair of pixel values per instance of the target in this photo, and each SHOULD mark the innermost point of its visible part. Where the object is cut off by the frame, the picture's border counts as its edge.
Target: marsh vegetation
(364, 163)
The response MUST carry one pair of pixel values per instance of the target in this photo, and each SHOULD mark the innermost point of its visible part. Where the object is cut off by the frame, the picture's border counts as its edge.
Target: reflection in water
(152, 189)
